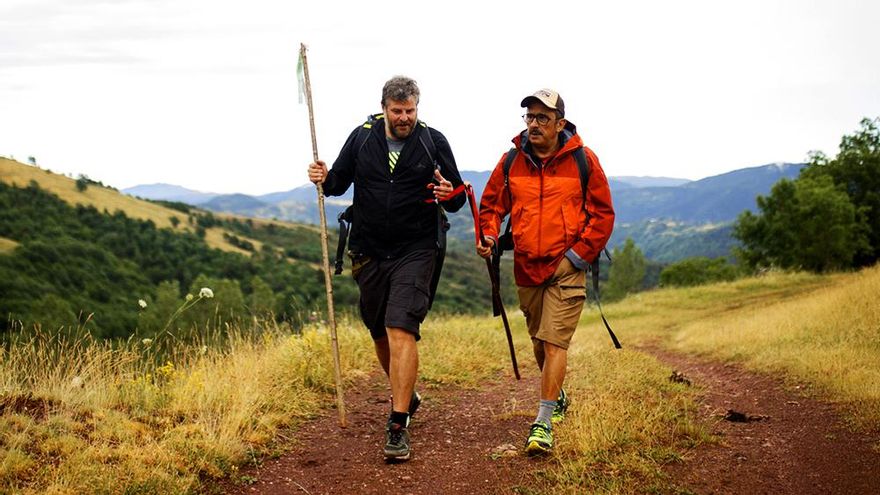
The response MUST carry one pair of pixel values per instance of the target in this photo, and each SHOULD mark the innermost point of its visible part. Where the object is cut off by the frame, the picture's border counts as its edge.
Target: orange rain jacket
(550, 219)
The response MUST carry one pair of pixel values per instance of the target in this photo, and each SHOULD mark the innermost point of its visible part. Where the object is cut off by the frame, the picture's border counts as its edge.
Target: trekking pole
(494, 270)
(331, 316)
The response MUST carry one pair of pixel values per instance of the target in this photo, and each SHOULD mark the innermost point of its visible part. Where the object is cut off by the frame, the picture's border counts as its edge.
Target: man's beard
(397, 131)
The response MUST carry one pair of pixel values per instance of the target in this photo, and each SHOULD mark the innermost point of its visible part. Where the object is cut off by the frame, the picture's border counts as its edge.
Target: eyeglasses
(541, 118)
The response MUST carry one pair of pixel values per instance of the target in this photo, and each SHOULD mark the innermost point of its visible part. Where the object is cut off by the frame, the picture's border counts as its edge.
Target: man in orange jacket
(558, 231)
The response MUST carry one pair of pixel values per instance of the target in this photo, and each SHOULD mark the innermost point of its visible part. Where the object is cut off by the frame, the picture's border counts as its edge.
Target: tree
(261, 302)
(808, 223)
(82, 183)
(856, 171)
(697, 271)
(627, 271)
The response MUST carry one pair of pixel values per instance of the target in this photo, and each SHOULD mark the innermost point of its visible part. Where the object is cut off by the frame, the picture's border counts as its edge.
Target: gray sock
(545, 411)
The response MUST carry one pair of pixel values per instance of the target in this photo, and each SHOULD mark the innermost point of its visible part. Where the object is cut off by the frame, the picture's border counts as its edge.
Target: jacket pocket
(524, 239)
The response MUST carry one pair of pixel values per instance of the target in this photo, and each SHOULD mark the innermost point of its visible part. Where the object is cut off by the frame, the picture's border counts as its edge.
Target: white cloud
(203, 93)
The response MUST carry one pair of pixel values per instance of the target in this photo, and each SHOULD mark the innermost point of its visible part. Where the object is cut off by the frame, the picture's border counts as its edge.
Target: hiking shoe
(396, 443)
(562, 404)
(540, 439)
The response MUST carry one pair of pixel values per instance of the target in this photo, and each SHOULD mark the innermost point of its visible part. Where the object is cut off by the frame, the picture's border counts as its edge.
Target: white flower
(206, 292)
(142, 303)
(77, 382)
(147, 341)
(203, 349)
(189, 297)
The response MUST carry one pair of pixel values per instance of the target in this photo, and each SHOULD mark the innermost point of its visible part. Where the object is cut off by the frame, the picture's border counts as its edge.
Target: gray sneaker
(396, 443)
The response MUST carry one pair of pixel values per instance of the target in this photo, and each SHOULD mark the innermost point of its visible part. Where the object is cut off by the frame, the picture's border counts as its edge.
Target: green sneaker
(540, 441)
(396, 443)
(562, 404)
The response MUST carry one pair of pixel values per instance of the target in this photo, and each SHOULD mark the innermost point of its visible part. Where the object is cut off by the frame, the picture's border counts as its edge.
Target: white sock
(545, 412)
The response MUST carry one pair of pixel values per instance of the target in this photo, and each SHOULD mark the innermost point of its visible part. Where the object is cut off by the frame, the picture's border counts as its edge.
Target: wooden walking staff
(331, 315)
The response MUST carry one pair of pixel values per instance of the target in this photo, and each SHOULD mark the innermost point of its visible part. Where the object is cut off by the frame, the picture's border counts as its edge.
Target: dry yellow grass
(7, 245)
(828, 338)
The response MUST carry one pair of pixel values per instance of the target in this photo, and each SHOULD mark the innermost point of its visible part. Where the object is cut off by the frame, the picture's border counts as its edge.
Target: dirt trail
(781, 442)
(788, 444)
(454, 437)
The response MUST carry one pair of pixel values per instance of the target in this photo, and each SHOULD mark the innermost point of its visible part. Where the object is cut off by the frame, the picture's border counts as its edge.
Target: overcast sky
(203, 94)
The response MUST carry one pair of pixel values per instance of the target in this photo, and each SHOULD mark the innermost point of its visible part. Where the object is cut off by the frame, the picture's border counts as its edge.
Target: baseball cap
(548, 97)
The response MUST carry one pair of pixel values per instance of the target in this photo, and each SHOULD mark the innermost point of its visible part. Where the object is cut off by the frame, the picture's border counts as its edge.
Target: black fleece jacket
(391, 214)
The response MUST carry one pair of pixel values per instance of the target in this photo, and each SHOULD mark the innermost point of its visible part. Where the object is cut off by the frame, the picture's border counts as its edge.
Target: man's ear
(560, 124)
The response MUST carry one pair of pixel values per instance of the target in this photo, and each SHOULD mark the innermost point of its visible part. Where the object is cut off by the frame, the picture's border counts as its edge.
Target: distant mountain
(637, 182)
(169, 192)
(233, 203)
(714, 199)
(669, 218)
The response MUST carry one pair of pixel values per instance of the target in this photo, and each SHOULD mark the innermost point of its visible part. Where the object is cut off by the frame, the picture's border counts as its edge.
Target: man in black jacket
(403, 173)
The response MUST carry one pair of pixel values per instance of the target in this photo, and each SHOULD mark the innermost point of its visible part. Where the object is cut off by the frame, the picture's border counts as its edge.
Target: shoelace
(395, 434)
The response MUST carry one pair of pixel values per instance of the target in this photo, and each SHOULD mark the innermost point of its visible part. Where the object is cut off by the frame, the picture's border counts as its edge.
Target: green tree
(627, 271)
(261, 302)
(225, 305)
(697, 271)
(153, 319)
(808, 223)
(856, 171)
(52, 312)
(82, 183)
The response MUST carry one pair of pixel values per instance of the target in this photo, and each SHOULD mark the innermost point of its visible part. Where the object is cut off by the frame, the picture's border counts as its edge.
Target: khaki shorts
(552, 310)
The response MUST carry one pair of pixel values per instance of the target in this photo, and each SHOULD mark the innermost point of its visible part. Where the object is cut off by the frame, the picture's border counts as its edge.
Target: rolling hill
(77, 253)
(668, 218)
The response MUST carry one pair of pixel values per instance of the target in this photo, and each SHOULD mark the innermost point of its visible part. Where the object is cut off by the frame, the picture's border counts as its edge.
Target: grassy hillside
(83, 416)
(102, 198)
(102, 261)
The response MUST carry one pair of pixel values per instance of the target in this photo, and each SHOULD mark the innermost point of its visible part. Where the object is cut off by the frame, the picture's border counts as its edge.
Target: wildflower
(142, 303)
(189, 297)
(77, 382)
(203, 349)
(147, 341)
(206, 292)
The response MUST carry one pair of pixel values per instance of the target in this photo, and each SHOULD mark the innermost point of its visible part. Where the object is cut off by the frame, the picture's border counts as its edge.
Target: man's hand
(317, 172)
(442, 189)
(485, 250)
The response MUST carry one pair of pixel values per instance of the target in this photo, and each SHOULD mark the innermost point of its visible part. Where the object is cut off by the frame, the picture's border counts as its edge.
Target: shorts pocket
(418, 305)
(572, 293)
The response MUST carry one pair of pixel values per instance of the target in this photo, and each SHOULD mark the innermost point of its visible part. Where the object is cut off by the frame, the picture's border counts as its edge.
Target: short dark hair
(400, 88)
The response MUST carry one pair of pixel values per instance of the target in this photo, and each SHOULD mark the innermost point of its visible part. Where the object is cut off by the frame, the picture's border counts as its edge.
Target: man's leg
(553, 371)
(403, 367)
(383, 353)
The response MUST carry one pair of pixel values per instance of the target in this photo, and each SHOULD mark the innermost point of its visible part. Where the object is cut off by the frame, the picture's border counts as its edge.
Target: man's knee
(399, 335)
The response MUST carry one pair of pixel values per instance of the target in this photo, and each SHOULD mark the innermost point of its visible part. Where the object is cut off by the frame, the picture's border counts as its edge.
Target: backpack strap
(345, 217)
